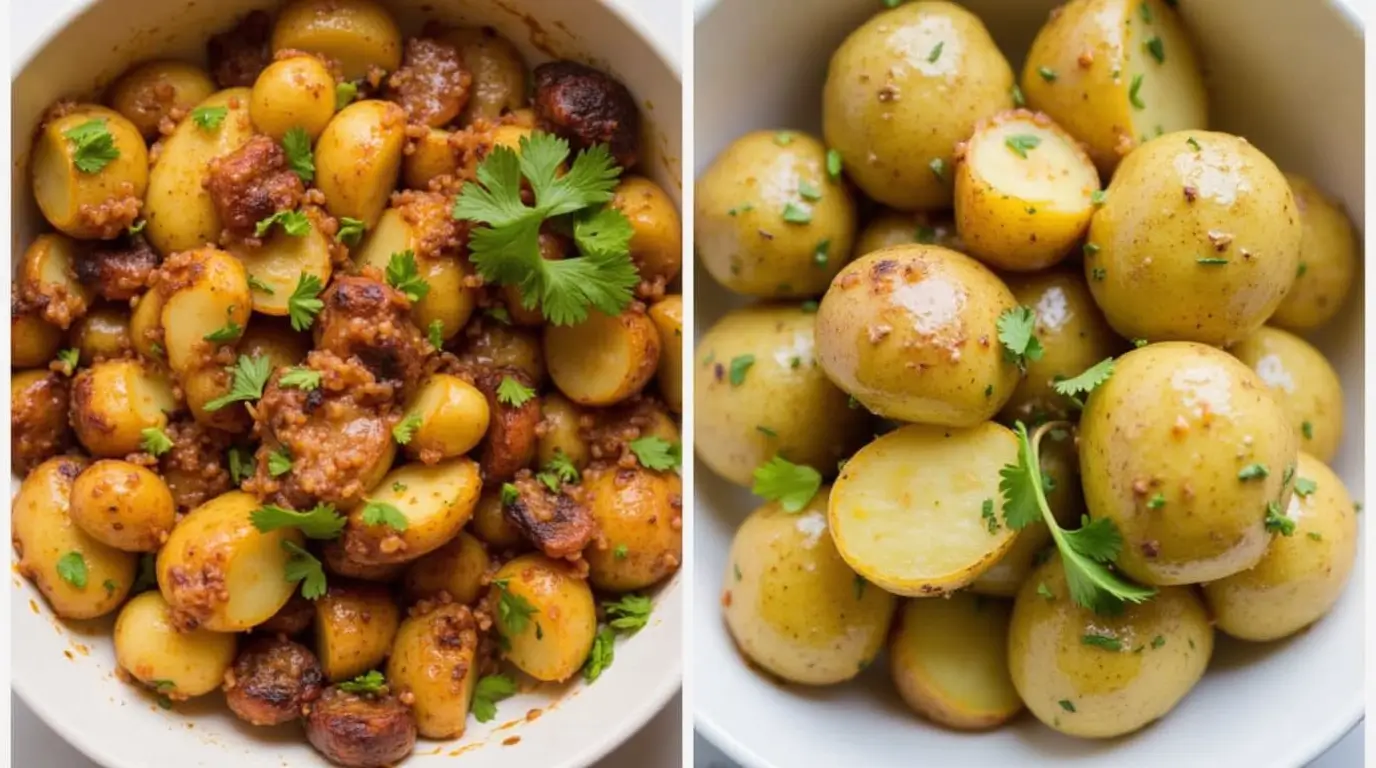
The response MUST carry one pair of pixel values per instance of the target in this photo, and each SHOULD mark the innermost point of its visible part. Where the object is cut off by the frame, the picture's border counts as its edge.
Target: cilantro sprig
(403, 274)
(1017, 333)
(250, 376)
(488, 691)
(370, 682)
(302, 566)
(657, 453)
(792, 485)
(305, 303)
(93, 146)
(318, 522)
(382, 513)
(513, 610)
(1087, 381)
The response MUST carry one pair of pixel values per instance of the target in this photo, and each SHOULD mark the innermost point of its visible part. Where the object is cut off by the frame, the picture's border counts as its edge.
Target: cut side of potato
(358, 159)
(448, 301)
(214, 296)
(918, 511)
(436, 501)
(357, 34)
(113, 401)
(604, 359)
(277, 266)
(177, 664)
(354, 628)
(453, 417)
(68, 196)
(1166, 91)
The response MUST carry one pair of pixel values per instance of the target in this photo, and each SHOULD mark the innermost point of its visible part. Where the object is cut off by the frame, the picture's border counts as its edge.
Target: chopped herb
(601, 655)
(783, 138)
(250, 376)
(1090, 249)
(1021, 143)
(657, 453)
(513, 393)
(294, 223)
(809, 192)
(71, 567)
(155, 441)
(620, 552)
(1098, 197)
(766, 431)
(303, 567)
(513, 611)
(1139, 343)
(739, 365)
(225, 334)
(1304, 486)
(1067, 705)
(1210, 260)
(68, 358)
(382, 513)
(1017, 328)
(925, 234)
(93, 146)
(936, 52)
(111, 586)
(137, 227)
(404, 275)
(797, 214)
(1102, 641)
(209, 118)
(1193, 144)
(1314, 536)
(1307, 429)
(991, 521)
(279, 462)
(318, 522)
(240, 465)
(1044, 591)
(344, 94)
(1157, 501)
(1018, 99)
(629, 614)
(1278, 522)
(810, 307)
(1157, 49)
(406, 428)
(833, 164)
(1098, 273)
(350, 231)
(746, 208)
(489, 690)
(938, 167)
(297, 144)
(300, 378)
(859, 585)
(1301, 269)
(499, 313)
(1087, 381)
(1048, 74)
(1158, 641)
(1146, 11)
(792, 485)
(509, 494)
(370, 683)
(1253, 472)
(819, 255)
(260, 286)
(1133, 90)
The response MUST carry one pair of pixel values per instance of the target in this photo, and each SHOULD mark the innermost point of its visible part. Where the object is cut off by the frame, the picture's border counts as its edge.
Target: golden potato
(102, 333)
(151, 92)
(359, 34)
(603, 360)
(205, 292)
(456, 569)
(409, 227)
(355, 625)
(557, 619)
(40, 400)
(495, 344)
(499, 72)
(435, 659)
(639, 514)
(657, 233)
(667, 315)
(33, 341)
(451, 416)
(561, 433)
(90, 170)
(276, 267)
(416, 509)
(47, 280)
(275, 340)
(911, 309)
(358, 156)
(770, 220)
(113, 402)
(892, 227)
(123, 505)
(145, 326)
(492, 526)
(177, 663)
(295, 92)
(433, 156)
(1305, 384)
(80, 577)
(203, 385)
(1329, 253)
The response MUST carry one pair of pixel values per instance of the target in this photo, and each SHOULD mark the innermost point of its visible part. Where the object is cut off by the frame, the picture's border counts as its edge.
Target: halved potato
(449, 301)
(124, 505)
(176, 663)
(145, 325)
(552, 641)
(114, 401)
(435, 660)
(431, 156)
(493, 527)
(354, 627)
(277, 266)
(457, 569)
(436, 501)
(33, 340)
(358, 157)
(76, 197)
(561, 433)
(47, 280)
(205, 384)
(453, 416)
(499, 72)
(204, 291)
(603, 360)
(918, 511)
(359, 34)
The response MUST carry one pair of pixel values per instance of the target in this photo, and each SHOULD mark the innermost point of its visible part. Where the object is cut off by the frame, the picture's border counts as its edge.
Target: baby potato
(499, 72)
(432, 157)
(770, 220)
(1115, 73)
(1096, 676)
(145, 325)
(355, 624)
(1073, 334)
(1198, 240)
(83, 190)
(604, 359)
(408, 228)
(80, 577)
(491, 343)
(657, 234)
(435, 659)
(792, 604)
(218, 571)
(949, 661)
(892, 227)
(149, 93)
(761, 393)
(358, 156)
(452, 416)
(204, 291)
(47, 280)
(275, 340)
(1304, 570)
(203, 385)
(180, 214)
(102, 333)
(1188, 454)
(1304, 383)
(491, 525)
(33, 341)
(561, 434)
(1328, 260)
(1024, 191)
(457, 569)
(295, 92)
(123, 505)
(114, 401)
(552, 641)
(277, 266)
(40, 400)
(338, 563)
(912, 333)
(902, 90)
(667, 315)
(359, 34)
(177, 663)
(435, 501)
(918, 511)
(639, 513)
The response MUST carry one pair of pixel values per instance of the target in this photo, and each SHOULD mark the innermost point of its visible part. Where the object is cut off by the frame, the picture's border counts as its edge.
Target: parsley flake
(304, 303)
(250, 376)
(297, 144)
(406, 429)
(513, 393)
(350, 231)
(368, 683)
(739, 365)
(403, 274)
(792, 485)
(657, 453)
(1021, 143)
(71, 567)
(601, 655)
(303, 567)
(209, 118)
(300, 378)
(1253, 472)
(1017, 334)
(1277, 521)
(294, 223)
(382, 513)
(155, 441)
(489, 690)
(1304, 486)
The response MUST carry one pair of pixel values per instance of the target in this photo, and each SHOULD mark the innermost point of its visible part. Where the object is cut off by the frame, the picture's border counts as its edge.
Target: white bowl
(65, 671)
(1285, 74)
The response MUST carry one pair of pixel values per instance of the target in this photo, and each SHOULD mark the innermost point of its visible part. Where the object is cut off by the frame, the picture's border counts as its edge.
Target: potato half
(435, 659)
(207, 293)
(603, 360)
(78, 195)
(355, 624)
(124, 505)
(452, 415)
(277, 266)
(148, 93)
(435, 501)
(358, 34)
(456, 569)
(115, 400)
(551, 642)
(358, 157)
(176, 663)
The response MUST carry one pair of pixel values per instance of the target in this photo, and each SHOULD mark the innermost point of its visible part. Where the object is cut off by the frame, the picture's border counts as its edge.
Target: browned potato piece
(115, 401)
(668, 318)
(657, 239)
(154, 91)
(451, 418)
(39, 401)
(358, 158)
(552, 642)
(78, 194)
(499, 72)
(33, 341)
(359, 34)
(456, 569)
(431, 157)
(491, 525)
(145, 326)
(361, 731)
(560, 432)
(354, 627)
(272, 681)
(435, 660)
(102, 333)
(155, 652)
(603, 360)
(48, 282)
(490, 343)
(123, 505)
(202, 386)
(274, 339)
(435, 500)
(640, 515)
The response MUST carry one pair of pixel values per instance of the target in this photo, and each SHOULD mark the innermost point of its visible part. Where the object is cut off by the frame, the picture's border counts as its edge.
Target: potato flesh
(150, 647)
(354, 630)
(218, 297)
(1171, 91)
(61, 189)
(1054, 175)
(437, 501)
(603, 359)
(280, 263)
(434, 657)
(449, 301)
(358, 159)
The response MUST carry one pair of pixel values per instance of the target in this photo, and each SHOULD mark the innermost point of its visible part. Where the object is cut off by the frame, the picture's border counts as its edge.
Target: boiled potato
(203, 385)
(770, 220)
(102, 333)
(33, 341)
(154, 90)
(604, 359)
(275, 340)
(1305, 384)
(1024, 192)
(639, 514)
(218, 571)
(358, 157)
(1198, 240)
(561, 432)
(1137, 667)
(493, 527)
(891, 227)
(178, 209)
(355, 625)
(656, 232)
(499, 72)
(434, 500)
(450, 301)
(1186, 452)
(667, 315)
(551, 642)
(1115, 73)
(912, 333)
(47, 279)
(792, 604)
(435, 659)
(918, 511)
(359, 34)
(204, 291)
(902, 90)
(949, 660)
(80, 577)
(90, 170)
(113, 402)
(432, 156)
(1303, 572)
(123, 505)
(295, 92)
(176, 663)
(1328, 260)
(145, 325)
(760, 393)
(1073, 335)
(452, 414)
(277, 266)
(456, 569)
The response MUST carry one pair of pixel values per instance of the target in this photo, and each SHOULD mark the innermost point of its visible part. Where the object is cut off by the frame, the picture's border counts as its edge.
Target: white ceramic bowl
(65, 672)
(760, 65)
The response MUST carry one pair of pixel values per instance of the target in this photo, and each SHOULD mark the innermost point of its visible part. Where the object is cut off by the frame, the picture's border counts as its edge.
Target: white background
(658, 745)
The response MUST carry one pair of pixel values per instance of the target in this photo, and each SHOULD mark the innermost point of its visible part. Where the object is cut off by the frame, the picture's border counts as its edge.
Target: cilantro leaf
(739, 366)
(368, 683)
(71, 567)
(319, 522)
(1021, 143)
(558, 470)
(93, 146)
(435, 333)
(260, 286)
(303, 567)
(601, 655)
(68, 358)
(834, 164)
(1017, 333)
(350, 231)
(513, 393)
(406, 429)
(657, 453)
(297, 144)
(240, 465)
(300, 378)
(382, 513)
(513, 611)
(1304, 486)
(489, 690)
(230, 331)
(294, 223)
(209, 118)
(792, 485)
(629, 614)
(250, 375)
(344, 94)
(155, 441)
(403, 274)
(1277, 521)
(1087, 381)
(279, 462)
(304, 303)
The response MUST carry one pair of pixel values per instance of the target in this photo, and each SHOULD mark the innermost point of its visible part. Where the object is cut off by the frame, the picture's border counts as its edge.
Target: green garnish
(279, 462)
(1017, 333)
(382, 513)
(209, 118)
(792, 485)
(350, 231)
(155, 441)
(489, 690)
(297, 144)
(250, 375)
(93, 146)
(1133, 89)
(739, 365)
(513, 393)
(300, 378)
(344, 94)
(318, 522)
(294, 223)
(1253, 472)
(1102, 641)
(1021, 143)
(1277, 521)
(71, 567)
(370, 683)
(303, 567)
(406, 429)
(403, 274)
(657, 453)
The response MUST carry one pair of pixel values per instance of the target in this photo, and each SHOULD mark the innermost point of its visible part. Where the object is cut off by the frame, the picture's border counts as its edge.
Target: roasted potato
(294, 92)
(177, 663)
(113, 402)
(499, 72)
(490, 343)
(355, 624)
(123, 505)
(47, 280)
(603, 360)
(102, 333)
(33, 340)
(358, 156)
(358, 34)
(491, 525)
(145, 326)
(435, 659)
(639, 514)
(204, 293)
(1305, 384)
(549, 635)
(1329, 253)
(83, 190)
(456, 569)
(337, 561)
(667, 315)
(451, 418)
(423, 226)
(560, 431)
(434, 501)
(39, 429)
(158, 91)
(431, 157)
(656, 232)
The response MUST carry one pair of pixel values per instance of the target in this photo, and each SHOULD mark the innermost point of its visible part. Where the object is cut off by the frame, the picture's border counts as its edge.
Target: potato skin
(154, 650)
(1328, 260)
(48, 281)
(667, 315)
(891, 112)
(890, 227)
(295, 92)
(43, 532)
(603, 360)
(155, 91)
(453, 418)
(491, 526)
(456, 569)
(1179, 423)
(89, 206)
(123, 505)
(359, 34)
(272, 680)
(1169, 206)
(360, 731)
(434, 658)
(499, 72)
(740, 232)
(203, 291)
(437, 501)
(354, 627)
(358, 158)
(911, 309)
(657, 233)
(102, 333)
(1304, 382)
(114, 401)
(792, 604)
(1111, 692)
(773, 394)
(39, 401)
(557, 637)
(639, 514)
(33, 341)
(560, 431)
